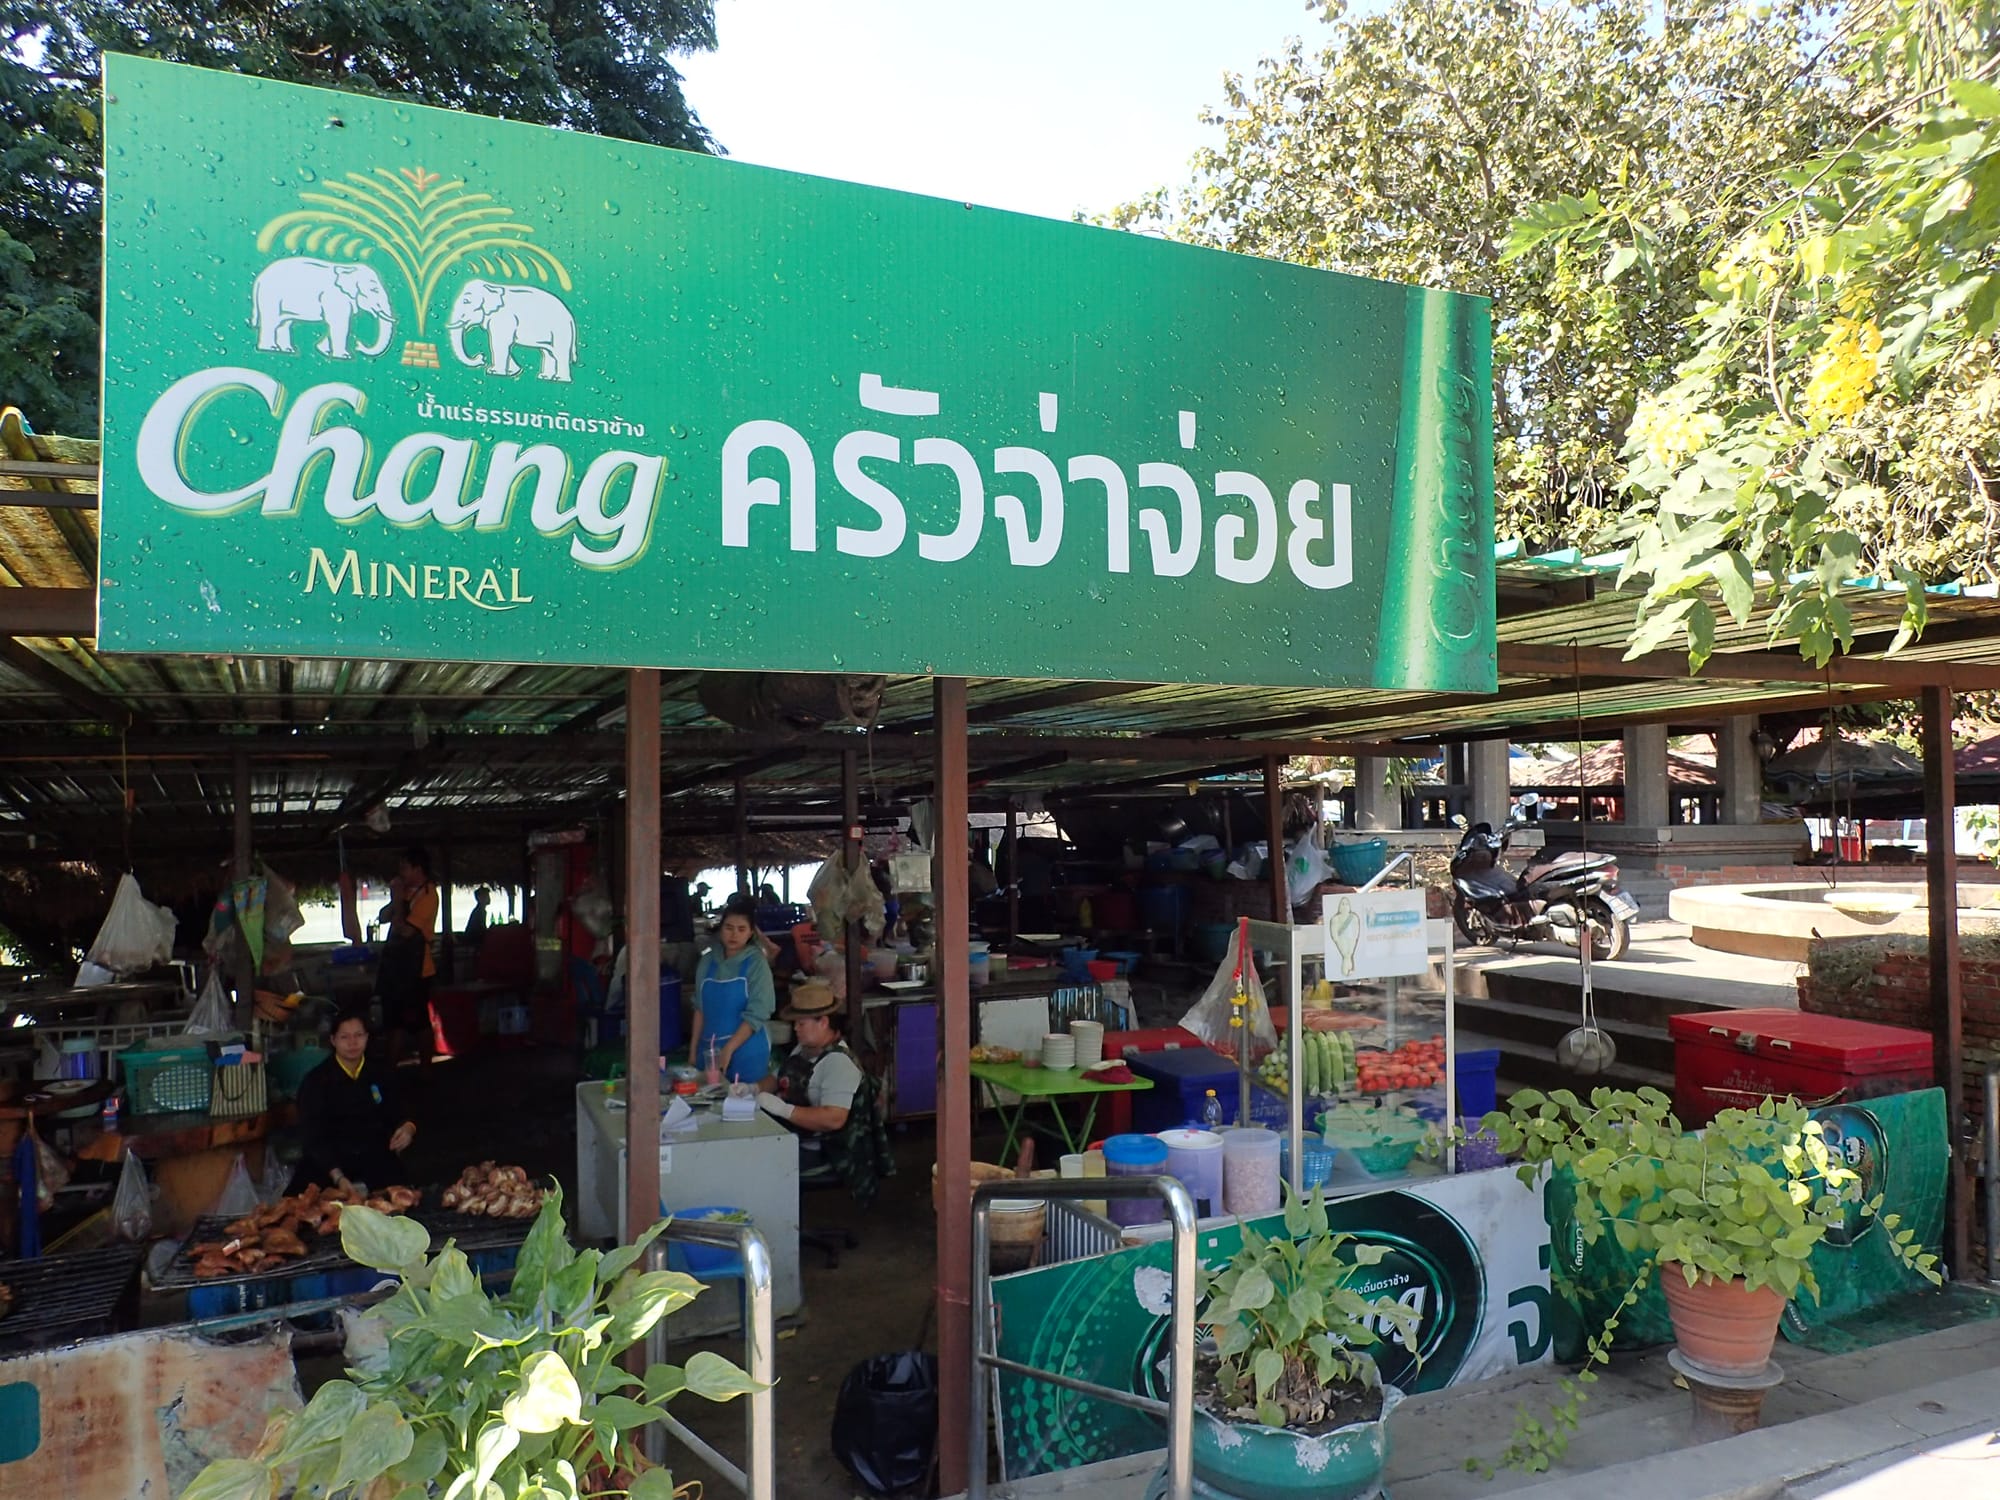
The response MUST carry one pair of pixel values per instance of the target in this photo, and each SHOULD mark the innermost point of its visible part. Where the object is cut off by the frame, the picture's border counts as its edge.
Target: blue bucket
(703, 1262)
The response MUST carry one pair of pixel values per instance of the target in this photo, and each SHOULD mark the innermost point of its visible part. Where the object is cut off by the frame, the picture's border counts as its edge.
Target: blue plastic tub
(1359, 863)
(1478, 1075)
(1163, 908)
(1319, 1160)
(703, 1262)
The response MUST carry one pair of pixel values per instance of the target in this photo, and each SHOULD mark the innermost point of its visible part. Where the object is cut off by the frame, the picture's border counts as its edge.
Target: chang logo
(420, 229)
(1855, 1140)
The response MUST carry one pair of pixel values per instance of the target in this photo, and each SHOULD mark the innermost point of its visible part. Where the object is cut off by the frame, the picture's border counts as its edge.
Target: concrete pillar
(1739, 772)
(1378, 806)
(1487, 771)
(1646, 776)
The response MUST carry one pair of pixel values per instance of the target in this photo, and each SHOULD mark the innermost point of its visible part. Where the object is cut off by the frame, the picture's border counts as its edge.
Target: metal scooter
(1554, 902)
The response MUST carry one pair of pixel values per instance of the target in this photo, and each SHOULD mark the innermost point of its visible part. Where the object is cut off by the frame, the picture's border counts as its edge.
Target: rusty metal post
(851, 858)
(952, 914)
(642, 943)
(1947, 997)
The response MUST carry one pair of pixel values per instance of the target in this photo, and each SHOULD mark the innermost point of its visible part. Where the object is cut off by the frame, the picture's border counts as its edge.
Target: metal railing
(1178, 1409)
(758, 1479)
(1073, 1232)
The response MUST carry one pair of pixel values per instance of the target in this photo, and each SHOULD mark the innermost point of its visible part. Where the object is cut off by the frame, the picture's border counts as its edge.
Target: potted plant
(474, 1396)
(1729, 1217)
(1290, 1402)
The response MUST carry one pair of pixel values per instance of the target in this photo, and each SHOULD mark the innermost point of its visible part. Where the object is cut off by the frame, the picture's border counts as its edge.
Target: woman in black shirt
(353, 1116)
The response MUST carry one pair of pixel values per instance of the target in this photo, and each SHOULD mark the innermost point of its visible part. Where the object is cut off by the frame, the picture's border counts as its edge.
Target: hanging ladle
(1586, 1050)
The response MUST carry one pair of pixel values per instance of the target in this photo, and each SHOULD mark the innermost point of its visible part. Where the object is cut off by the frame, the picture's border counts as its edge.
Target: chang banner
(1469, 1255)
(389, 381)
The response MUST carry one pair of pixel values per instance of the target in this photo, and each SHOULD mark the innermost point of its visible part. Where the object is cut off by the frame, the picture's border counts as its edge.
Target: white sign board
(1375, 935)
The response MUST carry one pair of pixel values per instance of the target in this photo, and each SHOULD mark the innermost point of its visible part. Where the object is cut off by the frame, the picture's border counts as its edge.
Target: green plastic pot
(1249, 1461)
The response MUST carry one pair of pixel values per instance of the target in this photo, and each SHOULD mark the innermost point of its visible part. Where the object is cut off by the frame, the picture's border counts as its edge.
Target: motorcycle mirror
(1458, 820)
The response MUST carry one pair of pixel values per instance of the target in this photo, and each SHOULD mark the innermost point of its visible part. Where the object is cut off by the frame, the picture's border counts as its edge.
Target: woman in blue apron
(733, 998)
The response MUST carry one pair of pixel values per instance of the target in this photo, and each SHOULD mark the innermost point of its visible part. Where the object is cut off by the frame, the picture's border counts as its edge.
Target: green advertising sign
(389, 381)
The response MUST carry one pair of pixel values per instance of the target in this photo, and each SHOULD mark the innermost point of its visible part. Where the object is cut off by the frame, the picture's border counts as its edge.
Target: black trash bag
(885, 1420)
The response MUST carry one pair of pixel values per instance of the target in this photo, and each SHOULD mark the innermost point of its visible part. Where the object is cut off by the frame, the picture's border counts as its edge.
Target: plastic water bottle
(1211, 1112)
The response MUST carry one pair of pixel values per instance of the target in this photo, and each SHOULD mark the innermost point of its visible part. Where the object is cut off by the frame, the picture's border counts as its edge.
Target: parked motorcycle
(1553, 902)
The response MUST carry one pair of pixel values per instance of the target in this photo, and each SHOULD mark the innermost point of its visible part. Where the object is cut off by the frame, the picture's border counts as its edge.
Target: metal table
(1051, 1085)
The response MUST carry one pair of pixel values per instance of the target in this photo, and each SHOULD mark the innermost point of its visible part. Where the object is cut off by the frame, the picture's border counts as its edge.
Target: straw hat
(813, 998)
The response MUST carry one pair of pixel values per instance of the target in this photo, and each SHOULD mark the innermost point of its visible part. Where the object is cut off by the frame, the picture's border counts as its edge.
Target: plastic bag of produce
(1209, 1017)
(885, 1421)
(136, 934)
(1306, 865)
(132, 1204)
(239, 1195)
(212, 1014)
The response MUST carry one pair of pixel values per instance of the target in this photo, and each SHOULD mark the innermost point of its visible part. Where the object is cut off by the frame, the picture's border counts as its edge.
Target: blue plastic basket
(703, 1262)
(1359, 863)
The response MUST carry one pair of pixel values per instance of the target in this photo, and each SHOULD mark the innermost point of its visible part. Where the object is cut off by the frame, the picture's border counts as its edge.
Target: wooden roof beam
(48, 612)
(1688, 716)
(39, 669)
(1521, 659)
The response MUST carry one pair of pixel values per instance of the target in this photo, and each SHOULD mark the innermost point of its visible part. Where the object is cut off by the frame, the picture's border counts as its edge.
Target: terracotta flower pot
(1722, 1326)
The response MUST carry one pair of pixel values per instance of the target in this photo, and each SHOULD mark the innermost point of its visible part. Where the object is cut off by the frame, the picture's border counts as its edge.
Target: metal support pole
(758, 1479)
(1947, 996)
(1013, 869)
(1178, 1408)
(851, 859)
(952, 914)
(1993, 1174)
(740, 836)
(642, 949)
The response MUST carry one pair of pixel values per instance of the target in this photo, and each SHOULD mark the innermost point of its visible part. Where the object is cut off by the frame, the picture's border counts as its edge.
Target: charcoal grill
(472, 1231)
(59, 1299)
(322, 1254)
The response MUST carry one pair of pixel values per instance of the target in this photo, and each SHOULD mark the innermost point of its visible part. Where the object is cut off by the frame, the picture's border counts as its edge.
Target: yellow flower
(1668, 435)
(1844, 370)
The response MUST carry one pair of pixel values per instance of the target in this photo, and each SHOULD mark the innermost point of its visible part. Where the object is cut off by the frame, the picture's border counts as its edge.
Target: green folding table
(1051, 1086)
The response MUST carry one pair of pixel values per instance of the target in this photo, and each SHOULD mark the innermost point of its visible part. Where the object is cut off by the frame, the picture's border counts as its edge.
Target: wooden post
(239, 799)
(448, 944)
(642, 962)
(852, 859)
(954, 1114)
(1947, 998)
(1274, 830)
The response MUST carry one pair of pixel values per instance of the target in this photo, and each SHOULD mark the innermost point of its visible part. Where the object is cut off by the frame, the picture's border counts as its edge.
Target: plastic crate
(167, 1080)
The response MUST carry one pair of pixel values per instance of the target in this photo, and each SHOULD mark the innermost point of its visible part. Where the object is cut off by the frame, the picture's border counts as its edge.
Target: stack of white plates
(1089, 1037)
(1059, 1050)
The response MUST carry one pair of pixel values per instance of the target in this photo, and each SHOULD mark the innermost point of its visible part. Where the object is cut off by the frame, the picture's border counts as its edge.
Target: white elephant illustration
(523, 317)
(303, 290)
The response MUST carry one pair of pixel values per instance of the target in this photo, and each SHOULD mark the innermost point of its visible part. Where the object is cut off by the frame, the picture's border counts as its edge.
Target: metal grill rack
(59, 1299)
(322, 1254)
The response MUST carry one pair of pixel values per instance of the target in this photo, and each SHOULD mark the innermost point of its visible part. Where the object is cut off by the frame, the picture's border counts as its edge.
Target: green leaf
(622, 1413)
(1267, 1368)
(616, 1262)
(545, 1253)
(652, 1484)
(1981, 100)
(714, 1378)
(451, 1275)
(1622, 260)
(386, 1242)
(425, 1459)
(378, 1440)
(334, 1407)
(1252, 1292)
(641, 1300)
(548, 1396)
(231, 1479)
(664, 1382)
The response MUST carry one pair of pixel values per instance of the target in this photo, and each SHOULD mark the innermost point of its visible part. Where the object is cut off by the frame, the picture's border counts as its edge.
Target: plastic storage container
(1319, 1159)
(703, 1262)
(1181, 1080)
(1195, 1157)
(1250, 1161)
(1734, 1059)
(1359, 862)
(1135, 1156)
(1477, 1074)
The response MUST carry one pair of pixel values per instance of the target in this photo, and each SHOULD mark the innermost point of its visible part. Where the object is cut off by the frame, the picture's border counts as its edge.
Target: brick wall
(1897, 993)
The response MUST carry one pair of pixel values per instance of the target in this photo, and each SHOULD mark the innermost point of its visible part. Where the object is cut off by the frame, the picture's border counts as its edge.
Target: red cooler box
(1732, 1059)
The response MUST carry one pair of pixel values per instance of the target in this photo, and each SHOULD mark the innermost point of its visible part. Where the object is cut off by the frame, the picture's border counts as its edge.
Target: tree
(602, 66)
(1407, 143)
(1838, 413)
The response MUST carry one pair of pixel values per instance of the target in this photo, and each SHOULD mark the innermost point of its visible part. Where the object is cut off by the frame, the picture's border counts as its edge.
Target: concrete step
(1532, 1065)
(1511, 1022)
(1559, 987)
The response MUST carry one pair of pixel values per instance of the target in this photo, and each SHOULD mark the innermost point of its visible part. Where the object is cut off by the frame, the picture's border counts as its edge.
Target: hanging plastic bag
(239, 1194)
(136, 934)
(132, 1204)
(281, 906)
(213, 1014)
(885, 1420)
(1209, 1017)
(1306, 865)
(51, 1171)
(839, 895)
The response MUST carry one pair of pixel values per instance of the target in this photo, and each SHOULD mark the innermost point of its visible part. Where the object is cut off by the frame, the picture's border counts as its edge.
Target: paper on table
(677, 1118)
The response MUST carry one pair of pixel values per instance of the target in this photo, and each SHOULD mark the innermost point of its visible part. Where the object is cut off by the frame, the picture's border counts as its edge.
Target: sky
(1040, 106)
